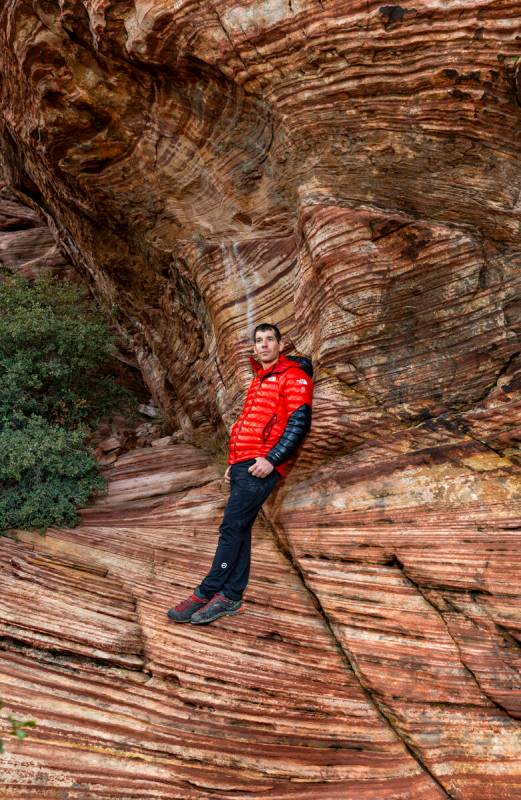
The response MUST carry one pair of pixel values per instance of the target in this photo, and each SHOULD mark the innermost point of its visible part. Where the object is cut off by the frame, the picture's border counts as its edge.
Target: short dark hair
(267, 326)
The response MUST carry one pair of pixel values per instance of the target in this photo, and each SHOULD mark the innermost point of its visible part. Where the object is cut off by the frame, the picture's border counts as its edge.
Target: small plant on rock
(16, 727)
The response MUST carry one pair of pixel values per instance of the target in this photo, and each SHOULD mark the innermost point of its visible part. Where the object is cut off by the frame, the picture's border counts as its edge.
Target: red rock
(351, 172)
(263, 704)
(111, 443)
(164, 441)
(105, 459)
(415, 568)
(27, 245)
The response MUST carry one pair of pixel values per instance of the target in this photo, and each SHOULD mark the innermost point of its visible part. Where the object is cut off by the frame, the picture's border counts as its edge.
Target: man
(274, 421)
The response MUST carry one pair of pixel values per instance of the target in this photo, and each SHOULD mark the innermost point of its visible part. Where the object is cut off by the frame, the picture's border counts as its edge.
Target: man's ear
(281, 345)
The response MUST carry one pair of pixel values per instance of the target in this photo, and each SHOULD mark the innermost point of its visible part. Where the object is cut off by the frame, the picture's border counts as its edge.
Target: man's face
(266, 347)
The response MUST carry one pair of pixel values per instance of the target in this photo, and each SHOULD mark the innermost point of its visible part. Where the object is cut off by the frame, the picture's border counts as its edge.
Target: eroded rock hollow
(351, 172)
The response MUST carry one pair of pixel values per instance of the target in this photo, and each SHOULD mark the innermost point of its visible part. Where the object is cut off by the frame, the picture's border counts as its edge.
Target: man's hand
(227, 476)
(261, 468)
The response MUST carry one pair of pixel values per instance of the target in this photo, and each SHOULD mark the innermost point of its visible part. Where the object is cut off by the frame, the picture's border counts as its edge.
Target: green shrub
(46, 473)
(55, 351)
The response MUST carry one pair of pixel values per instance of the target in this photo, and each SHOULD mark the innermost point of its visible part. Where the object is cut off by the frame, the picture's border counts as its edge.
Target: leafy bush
(54, 386)
(53, 348)
(46, 473)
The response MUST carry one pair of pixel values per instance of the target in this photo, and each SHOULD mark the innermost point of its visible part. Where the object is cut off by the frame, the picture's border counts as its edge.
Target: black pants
(230, 569)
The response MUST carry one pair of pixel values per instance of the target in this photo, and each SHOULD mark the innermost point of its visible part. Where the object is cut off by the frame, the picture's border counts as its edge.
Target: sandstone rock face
(350, 171)
(128, 706)
(27, 244)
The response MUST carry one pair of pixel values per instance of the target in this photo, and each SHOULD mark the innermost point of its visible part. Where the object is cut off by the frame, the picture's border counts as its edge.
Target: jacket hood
(283, 363)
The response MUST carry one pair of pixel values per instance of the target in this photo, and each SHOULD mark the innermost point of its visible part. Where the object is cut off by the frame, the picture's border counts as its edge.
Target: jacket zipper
(242, 423)
(251, 404)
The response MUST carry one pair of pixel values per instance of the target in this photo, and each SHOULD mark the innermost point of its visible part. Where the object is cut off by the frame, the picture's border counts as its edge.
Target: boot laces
(188, 602)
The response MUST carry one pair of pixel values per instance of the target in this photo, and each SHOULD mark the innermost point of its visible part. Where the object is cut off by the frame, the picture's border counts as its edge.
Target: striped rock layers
(347, 169)
(351, 171)
(128, 706)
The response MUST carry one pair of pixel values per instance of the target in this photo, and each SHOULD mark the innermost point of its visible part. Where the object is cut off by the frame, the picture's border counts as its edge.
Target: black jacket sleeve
(298, 424)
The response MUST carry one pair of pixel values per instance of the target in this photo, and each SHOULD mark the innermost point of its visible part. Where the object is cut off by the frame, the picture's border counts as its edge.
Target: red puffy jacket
(276, 414)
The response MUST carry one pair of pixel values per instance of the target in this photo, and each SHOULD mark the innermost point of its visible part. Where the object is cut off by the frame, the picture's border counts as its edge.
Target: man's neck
(270, 364)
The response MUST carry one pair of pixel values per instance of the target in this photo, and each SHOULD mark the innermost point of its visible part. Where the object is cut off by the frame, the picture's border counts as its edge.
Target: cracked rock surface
(347, 169)
(130, 706)
(376, 657)
(351, 172)
(423, 598)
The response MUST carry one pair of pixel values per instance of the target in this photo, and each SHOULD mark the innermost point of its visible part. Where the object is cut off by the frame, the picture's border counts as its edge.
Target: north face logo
(302, 380)
(273, 378)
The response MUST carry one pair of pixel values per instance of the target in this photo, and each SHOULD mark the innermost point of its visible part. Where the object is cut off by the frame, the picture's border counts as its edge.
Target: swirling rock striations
(27, 244)
(351, 171)
(236, 157)
(129, 707)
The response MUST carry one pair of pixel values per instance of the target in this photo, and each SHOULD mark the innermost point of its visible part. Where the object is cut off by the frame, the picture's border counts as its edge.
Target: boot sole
(221, 614)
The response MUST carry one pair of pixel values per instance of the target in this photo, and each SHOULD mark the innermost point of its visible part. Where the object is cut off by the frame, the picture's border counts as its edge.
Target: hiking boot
(217, 607)
(184, 610)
